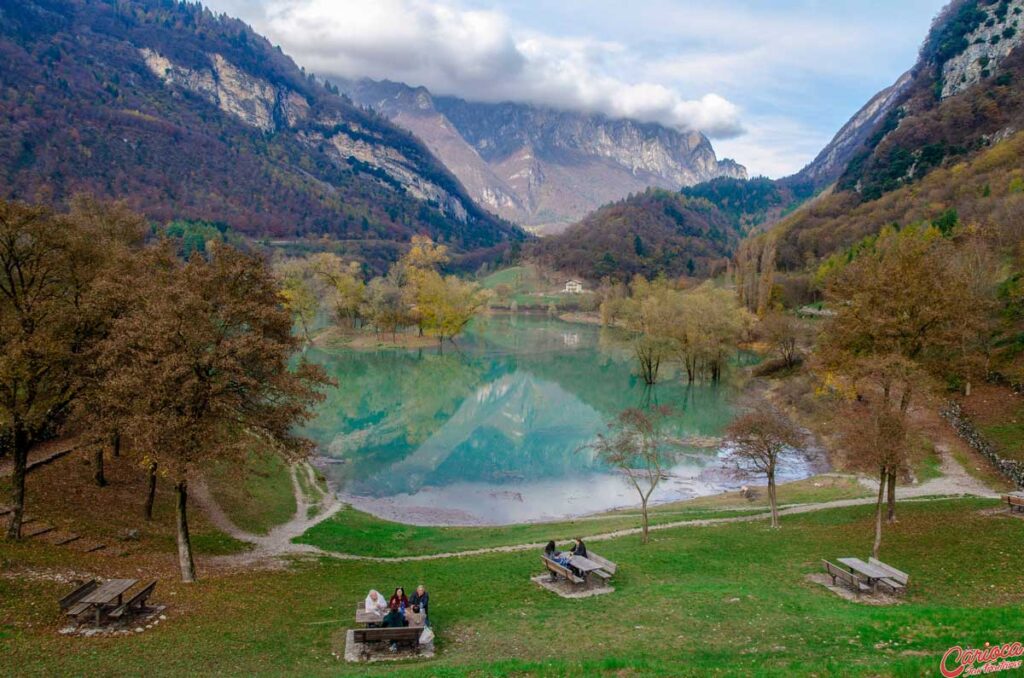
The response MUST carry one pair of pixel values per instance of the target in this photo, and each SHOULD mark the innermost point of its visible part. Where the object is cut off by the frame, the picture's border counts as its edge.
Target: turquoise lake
(494, 431)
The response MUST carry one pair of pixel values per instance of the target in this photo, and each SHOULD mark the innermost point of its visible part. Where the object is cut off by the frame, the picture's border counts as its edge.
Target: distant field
(529, 289)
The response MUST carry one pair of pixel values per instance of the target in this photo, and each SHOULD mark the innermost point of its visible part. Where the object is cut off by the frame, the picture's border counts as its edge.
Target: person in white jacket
(375, 602)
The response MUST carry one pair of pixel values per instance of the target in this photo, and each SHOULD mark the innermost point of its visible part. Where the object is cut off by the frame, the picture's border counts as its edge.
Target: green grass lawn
(256, 496)
(354, 532)
(727, 600)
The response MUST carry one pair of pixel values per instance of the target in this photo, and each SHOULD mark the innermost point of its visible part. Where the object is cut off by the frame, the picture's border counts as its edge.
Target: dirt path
(278, 541)
(954, 482)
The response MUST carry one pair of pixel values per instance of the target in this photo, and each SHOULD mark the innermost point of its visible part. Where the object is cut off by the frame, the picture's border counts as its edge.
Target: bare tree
(636, 445)
(759, 436)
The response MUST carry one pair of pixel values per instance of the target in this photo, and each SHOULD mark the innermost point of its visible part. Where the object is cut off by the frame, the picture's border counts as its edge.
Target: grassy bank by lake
(355, 532)
(730, 600)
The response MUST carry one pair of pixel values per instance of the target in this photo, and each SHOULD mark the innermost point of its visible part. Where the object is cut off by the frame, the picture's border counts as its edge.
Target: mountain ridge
(541, 167)
(187, 114)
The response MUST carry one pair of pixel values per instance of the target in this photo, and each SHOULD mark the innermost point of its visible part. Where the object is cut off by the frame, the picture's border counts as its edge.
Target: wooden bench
(136, 603)
(558, 569)
(608, 568)
(404, 635)
(851, 580)
(71, 605)
(896, 582)
(1014, 503)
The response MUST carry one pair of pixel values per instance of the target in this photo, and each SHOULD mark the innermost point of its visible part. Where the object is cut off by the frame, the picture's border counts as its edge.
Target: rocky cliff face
(269, 108)
(544, 168)
(999, 34)
(833, 159)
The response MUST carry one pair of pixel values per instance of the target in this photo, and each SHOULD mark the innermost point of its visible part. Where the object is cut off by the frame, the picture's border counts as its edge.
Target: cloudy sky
(769, 81)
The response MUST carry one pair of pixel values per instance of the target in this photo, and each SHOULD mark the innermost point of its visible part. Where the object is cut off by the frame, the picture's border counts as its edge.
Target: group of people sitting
(400, 610)
(564, 558)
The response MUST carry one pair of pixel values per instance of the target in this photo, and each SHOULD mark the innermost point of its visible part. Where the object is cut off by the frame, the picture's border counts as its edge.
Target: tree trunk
(891, 494)
(147, 510)
(98, 476)
(188, 567)
(643, 509)
(115, 445)
(21, 444)
(878, 516)
(771, 499)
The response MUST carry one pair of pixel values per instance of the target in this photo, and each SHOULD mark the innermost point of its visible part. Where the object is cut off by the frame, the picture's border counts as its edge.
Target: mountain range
(539, 167)
(187, 114)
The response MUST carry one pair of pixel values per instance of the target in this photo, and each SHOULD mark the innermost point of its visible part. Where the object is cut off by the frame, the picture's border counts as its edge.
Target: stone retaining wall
(954, 414)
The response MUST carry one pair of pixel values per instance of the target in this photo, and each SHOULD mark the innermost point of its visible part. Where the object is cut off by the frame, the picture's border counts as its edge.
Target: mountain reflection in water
(494, 431)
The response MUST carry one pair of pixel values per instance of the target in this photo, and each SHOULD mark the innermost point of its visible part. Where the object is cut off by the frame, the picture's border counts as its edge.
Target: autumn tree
(445, 305)
(345, 286)
(759, 436)
(299, 294)
(906, 305)
(200, 369)
(636, 444)
(782, 333)
(56, 303)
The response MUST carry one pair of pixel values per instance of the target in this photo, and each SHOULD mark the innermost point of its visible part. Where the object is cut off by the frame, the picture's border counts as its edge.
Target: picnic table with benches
(105, 600)
(592, 564)
(375, 634)
(873, 575)
(1015, 501)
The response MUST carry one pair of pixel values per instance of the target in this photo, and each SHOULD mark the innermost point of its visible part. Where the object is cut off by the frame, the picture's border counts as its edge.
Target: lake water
(491, 432)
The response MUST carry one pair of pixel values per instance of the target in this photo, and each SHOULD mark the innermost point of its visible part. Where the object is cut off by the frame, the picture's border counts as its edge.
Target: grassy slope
(351, 531)
(729, 599)
(256, 497)
(529, 290)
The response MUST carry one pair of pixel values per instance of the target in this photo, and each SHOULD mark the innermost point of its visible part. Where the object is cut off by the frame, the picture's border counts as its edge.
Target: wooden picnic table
(364, 616)
(584, 564)
(868, 570)
(108, 595)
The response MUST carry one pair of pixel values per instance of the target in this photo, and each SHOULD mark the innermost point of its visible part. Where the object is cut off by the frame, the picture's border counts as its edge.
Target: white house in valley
(573, 287)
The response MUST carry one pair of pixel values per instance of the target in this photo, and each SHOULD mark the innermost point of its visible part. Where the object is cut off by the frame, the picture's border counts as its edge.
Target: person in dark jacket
(394, 618)
(421, 598)
(579, 548)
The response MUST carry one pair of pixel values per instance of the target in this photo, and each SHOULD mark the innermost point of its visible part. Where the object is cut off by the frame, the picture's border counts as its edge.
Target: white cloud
(479, 55)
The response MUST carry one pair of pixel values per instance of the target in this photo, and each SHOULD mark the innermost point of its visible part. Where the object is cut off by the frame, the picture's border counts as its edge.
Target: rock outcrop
(988, 45)
(260, 104)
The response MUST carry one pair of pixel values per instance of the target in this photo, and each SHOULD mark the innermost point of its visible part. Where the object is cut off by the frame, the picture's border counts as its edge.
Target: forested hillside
(949, 156)
(653, 233)
(187, 114)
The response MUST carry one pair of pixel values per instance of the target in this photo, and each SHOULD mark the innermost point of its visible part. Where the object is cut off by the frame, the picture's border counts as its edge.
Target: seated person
(415, 616)
(375, 602)
(560, 557)
(394, 618)
(398, 598)
(579, 548)
(422, 598)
